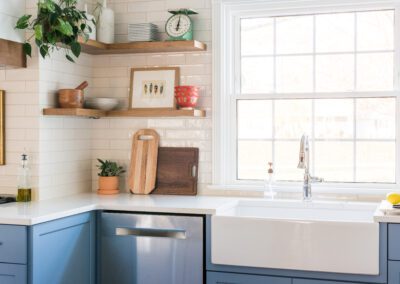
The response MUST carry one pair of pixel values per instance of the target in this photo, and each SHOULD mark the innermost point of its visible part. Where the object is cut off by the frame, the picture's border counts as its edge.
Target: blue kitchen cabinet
(394, 272)
(63, 251)
(13, 273)
(13, 254)
(234, 278)
(309, 281)
(394, 243)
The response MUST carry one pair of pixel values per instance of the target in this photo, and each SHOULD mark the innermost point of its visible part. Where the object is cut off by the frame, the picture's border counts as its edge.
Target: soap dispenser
(24, 186)
(269, 181)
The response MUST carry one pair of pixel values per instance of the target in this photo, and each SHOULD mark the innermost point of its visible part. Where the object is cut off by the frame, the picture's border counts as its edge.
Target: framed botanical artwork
(153, 87)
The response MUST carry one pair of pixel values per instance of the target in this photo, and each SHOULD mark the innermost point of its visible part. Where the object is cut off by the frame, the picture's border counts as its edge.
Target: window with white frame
(329, 74)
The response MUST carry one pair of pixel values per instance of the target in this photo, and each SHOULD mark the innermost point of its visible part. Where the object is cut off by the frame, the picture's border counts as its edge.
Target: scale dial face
(178, 25)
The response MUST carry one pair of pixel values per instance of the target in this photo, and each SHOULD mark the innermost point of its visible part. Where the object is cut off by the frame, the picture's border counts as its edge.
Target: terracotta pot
(70, 98)
(108, 185)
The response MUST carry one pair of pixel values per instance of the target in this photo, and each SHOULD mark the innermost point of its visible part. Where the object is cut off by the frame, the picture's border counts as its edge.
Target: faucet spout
(304, 153)
(304, 163)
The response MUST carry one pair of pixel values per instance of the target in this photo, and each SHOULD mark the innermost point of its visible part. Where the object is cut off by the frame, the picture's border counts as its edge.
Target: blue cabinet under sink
(233, 278)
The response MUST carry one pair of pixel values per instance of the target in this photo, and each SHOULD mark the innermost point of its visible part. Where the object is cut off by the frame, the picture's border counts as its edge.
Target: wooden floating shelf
(92, 113)
(97, 48)
(12, 54)
(81, 112)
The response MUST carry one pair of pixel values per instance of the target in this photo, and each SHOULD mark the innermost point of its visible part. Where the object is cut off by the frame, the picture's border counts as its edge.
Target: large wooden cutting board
(143, 168)
(177, 171)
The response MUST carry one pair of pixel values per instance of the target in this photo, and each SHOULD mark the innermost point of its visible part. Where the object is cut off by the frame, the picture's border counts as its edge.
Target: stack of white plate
(142, 32)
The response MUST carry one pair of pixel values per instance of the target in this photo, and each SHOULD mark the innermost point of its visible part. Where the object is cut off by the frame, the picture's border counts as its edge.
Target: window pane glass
(375, 162)
(334, 161)
(335, 73)
(294, 74)
(376, 118)
(257, 36)
(375, 72)
(254, 119)
(294, 34)
(257, 75)
(253, 157)
(375, 30)
(286, 160)
(334, 118)
(292, 118)
(335, 32)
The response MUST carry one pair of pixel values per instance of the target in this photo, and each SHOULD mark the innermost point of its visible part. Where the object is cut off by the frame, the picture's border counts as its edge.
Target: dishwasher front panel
(151, 249)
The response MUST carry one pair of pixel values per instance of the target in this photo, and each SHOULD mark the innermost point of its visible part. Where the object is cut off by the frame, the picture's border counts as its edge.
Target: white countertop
(42, 211)
(386, 214)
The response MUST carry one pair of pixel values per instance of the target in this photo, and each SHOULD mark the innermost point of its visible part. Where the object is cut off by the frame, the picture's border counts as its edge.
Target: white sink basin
(314, 236)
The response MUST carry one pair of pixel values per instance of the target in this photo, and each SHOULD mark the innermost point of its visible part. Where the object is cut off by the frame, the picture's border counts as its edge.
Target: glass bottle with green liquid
(24, 186)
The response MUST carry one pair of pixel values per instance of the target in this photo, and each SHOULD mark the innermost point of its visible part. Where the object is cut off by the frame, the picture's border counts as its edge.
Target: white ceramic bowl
(105, 104)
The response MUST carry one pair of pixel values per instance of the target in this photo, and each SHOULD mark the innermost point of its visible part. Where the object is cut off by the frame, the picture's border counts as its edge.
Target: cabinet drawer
(394, 272)
(13, 244)
(393, 242)
(233, 278)
(308, 281)
(13, 273)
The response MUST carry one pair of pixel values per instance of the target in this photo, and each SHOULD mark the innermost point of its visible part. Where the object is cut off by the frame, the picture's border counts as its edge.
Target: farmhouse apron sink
(312, 236)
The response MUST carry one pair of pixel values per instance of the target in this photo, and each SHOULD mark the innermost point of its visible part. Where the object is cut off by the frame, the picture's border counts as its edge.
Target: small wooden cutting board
(177, 171)
(143, 168)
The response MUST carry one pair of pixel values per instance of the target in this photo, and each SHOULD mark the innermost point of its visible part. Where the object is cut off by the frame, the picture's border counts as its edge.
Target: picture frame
(153, 88)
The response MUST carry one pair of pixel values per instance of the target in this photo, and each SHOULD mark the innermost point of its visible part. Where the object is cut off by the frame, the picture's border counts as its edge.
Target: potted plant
(109, 177)
(57, 24)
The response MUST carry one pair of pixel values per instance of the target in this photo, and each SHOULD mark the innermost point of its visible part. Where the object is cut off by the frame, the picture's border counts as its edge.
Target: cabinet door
(13, 273)
(394, 272)
(62, 251)
(233, 278)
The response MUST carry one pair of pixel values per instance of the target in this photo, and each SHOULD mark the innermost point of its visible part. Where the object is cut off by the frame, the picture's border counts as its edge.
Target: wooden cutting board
(143, 168)
(177, 171)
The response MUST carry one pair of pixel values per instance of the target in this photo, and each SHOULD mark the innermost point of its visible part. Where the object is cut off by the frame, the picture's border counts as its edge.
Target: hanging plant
(57, 24)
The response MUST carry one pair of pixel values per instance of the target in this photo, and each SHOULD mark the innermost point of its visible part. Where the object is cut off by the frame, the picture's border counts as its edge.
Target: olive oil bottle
(24, 186)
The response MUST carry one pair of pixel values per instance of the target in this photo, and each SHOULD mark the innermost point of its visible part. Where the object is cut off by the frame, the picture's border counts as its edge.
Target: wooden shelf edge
(157, 113)
(79, 112)
(12, 54)
(92, 113)
(98, 48)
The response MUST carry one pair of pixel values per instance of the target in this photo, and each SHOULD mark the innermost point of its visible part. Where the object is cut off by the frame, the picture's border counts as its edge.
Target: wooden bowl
(70, 98)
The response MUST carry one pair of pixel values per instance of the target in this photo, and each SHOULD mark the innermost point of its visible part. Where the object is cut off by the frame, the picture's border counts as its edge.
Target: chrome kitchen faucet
(304, 163)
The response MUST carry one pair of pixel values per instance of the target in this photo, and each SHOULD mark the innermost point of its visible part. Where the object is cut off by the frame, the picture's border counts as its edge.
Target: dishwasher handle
(149, 232)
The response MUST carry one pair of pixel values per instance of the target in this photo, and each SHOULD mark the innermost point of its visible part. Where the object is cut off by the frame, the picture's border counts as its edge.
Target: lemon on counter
(393, 197)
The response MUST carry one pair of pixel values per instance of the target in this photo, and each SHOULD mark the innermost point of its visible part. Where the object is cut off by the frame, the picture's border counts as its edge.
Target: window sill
(339, 189)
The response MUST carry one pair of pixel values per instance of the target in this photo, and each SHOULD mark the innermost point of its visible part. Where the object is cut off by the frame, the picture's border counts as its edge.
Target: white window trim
(226, 15)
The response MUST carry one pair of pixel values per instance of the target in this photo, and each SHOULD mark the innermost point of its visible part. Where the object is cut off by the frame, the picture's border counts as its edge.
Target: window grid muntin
(351, 94)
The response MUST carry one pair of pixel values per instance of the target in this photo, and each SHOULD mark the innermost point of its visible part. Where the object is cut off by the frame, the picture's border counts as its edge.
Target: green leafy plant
(56, 24)
(109, 169)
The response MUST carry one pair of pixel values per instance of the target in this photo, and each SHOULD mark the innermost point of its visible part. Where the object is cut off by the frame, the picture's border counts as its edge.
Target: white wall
(111, 138)
(10, 11)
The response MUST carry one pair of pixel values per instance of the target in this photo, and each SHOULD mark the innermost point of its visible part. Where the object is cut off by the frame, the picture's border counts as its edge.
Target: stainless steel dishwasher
(151, 249)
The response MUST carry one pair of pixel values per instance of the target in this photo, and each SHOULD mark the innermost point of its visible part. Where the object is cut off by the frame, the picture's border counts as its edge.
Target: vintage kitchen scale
(180, 26)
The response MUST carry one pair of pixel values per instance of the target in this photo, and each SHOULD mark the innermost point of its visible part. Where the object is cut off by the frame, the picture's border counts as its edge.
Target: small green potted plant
(57, 24)
(109, 177)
